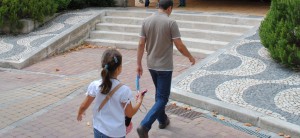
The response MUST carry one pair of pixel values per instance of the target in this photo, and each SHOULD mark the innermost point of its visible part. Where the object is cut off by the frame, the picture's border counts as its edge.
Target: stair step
(202, 33)
(133, 37)
(118, 27)
(188, 33)
(113, 43)
(182, 24)
(139, 14)
(208, 35)
(200, 17)
(123, 36)
(203, 44)
(133, 45)
(137, 28)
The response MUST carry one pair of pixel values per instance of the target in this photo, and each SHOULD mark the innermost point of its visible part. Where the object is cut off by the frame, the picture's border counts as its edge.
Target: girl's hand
(84, 105)
(140, 97)
(79, 117)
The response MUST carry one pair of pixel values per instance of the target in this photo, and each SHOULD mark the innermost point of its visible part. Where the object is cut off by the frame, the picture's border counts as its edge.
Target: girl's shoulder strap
(109, 95)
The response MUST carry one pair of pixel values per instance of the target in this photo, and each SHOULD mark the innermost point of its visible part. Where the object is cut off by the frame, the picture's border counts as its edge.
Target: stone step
(122, 36)
(139, 14)
(133, 45)
(182, 24)
(210, 45)
(113, 43)
(204, 44)
(189, 42)
(118, 27)
(202, 33)
(198, 17)
(188, 33)
(136, 28)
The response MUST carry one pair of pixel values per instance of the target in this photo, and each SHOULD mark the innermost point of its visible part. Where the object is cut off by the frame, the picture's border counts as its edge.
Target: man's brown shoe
(163, 126)
(142, 132)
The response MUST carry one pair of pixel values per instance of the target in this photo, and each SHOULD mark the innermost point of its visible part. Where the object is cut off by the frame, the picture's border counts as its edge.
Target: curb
(237, 113)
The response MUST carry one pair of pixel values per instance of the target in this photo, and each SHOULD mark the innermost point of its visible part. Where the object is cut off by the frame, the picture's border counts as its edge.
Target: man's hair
(165, 4)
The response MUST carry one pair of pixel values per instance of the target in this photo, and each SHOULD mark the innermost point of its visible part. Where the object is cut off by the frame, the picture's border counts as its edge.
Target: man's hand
(183, 50)
(192, 60)
(140, 53)
(139, 70)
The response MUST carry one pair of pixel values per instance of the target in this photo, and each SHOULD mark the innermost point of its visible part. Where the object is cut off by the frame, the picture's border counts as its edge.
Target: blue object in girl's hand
(137, 83)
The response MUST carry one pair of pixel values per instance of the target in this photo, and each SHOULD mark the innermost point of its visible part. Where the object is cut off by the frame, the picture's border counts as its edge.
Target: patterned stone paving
(14, 48)
(245, 75)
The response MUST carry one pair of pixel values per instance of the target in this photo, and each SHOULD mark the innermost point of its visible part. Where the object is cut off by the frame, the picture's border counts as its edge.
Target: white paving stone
(289, 100)
(4, 47)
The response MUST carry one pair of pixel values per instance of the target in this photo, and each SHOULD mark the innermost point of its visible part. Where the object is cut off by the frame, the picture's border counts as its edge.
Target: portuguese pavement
(42, 100)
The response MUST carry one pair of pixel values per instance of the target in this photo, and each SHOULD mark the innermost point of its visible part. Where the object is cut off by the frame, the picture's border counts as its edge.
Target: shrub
(280, 32)
(39, 9)
(102, 3)
(62, 4)
(79, 4)
(11, 11)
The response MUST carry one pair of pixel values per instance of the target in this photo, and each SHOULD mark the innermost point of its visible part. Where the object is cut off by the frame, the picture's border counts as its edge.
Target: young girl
(109, 121)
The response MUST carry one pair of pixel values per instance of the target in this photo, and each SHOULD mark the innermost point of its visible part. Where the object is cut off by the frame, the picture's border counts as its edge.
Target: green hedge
(11, 11)
(62, 4)
(79, 4)
(280, 32)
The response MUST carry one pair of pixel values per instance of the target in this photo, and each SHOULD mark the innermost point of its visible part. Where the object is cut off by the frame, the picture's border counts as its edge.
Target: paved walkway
(245, 75)
(42, 100)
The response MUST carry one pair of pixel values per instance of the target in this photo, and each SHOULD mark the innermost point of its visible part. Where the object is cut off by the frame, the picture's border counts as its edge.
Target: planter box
(28, 25)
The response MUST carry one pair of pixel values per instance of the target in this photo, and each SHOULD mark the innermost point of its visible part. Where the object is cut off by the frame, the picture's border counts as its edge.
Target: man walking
(147, 2)
(181, 3)
(158, 33)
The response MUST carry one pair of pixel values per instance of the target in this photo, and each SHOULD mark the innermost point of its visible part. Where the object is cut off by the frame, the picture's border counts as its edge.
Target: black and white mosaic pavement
(246, 76)
(14, 48)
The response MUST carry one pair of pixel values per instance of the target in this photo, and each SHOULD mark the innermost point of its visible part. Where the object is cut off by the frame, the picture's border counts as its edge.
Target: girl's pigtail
(106, 83)
(111, 60)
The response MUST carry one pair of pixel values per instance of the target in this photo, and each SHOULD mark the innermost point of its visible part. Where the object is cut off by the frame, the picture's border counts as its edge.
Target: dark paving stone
(226, 62)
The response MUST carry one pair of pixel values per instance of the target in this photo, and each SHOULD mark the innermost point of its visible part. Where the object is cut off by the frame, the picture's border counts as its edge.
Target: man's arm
(183, 50)
(140, 53)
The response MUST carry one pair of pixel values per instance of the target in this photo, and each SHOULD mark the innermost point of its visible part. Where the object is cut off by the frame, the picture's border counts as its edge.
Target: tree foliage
(78, 4)
(280, 32)
(11, 11)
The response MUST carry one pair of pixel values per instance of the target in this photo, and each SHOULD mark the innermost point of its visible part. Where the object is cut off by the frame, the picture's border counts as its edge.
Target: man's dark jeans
(147, 2)
(182, 2)
(162, 81)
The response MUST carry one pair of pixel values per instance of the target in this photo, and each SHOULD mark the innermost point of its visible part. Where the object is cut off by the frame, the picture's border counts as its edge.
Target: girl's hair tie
(116, 60)
(106, 67)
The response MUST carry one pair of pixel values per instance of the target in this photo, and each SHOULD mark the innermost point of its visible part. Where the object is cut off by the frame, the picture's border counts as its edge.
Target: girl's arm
(85, 105)
(131, 110)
